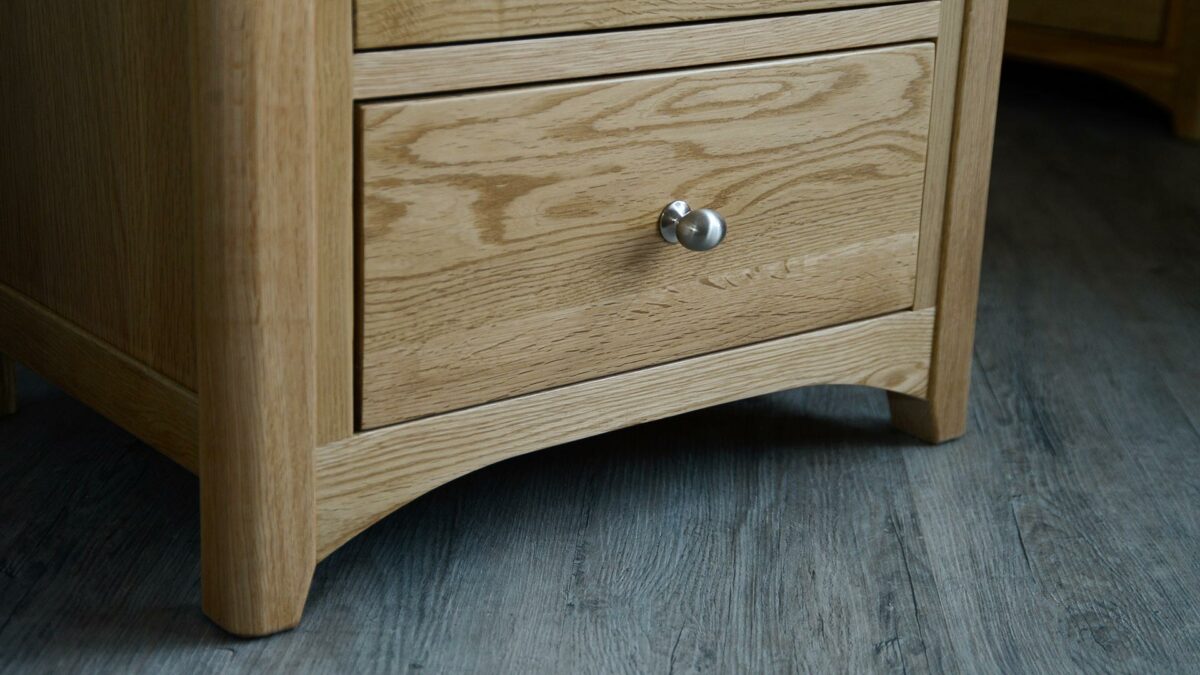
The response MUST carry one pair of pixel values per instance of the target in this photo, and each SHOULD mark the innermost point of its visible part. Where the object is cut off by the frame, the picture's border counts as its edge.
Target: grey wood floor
(793, 532)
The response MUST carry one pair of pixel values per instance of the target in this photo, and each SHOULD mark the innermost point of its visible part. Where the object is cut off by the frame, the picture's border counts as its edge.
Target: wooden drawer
(398, 23)
(510, 241)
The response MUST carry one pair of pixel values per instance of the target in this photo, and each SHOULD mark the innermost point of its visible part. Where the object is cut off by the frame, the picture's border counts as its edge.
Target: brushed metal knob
(699, 230)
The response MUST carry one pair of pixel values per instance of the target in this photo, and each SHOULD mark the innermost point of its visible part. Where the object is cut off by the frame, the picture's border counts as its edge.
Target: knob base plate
(669, 219)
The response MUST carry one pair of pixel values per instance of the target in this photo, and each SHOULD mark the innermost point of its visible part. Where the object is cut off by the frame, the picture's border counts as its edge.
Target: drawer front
(510, 240)
(398, 23)
(1129, 19)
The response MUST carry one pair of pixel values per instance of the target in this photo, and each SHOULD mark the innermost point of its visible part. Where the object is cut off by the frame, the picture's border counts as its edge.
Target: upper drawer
(510, 240)
(397, 23)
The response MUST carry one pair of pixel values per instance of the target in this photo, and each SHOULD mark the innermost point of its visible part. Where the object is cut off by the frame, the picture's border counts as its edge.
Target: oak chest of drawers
(332, 255)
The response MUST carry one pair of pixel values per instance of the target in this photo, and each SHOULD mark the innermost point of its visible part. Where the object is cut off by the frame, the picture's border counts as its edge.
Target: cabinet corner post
(255, 138)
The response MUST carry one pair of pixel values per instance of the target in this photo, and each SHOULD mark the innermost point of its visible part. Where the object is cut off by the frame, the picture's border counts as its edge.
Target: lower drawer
(510, 239)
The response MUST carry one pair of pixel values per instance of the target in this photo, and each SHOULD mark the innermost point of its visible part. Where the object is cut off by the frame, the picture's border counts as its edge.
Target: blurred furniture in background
(1150, 45)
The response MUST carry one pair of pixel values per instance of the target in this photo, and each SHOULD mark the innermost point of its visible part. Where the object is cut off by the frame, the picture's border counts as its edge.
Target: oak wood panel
(364, 478)
(510, 239)
(437, 69)
(334, 165)
(142, 401)
(1130, 19)
(95, 171)
(937, 167)
(942, 414)
(258, 139)
(394, 23)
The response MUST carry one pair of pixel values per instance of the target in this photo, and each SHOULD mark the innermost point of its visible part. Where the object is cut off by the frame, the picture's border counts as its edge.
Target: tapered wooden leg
(8, 386)
(942, 414)
(256, 297)
(257, 531)
(928, 421)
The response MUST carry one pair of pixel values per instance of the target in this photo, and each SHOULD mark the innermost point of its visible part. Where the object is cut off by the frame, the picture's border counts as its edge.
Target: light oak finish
(437, 69)
(258, 144)
(937, 166)
(198, 241)
(100, 136)
(1061, 535)
(397, 23)
(366, 477)
(1166, 69)
(143, 401)
(510, 239)
(1142, 20)
(335, 222)
(95, 172)
(8, 386)
(942, 414)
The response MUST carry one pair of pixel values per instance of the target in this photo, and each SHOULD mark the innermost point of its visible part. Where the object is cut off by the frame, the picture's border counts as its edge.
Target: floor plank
(787, 533)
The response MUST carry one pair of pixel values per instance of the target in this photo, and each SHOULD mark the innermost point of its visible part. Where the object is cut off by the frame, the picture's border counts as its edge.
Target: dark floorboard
(789, 533)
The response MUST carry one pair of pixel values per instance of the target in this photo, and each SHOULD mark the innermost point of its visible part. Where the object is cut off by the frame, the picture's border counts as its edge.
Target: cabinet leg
(942, 415)
(257, 135)
(257, 538)
(8, 386)
(930, 421)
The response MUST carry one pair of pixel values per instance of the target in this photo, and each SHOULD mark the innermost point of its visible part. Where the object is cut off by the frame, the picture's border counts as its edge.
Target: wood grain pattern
(942, 415)
(436, 69)
(258, 139)
(369, 475)
(1129, 19)
(937, 166)
(789, 533)
(8, 386)
(95, 171)
(510, 239)
(395, 23)
(96, 187)
(138, 398)
(335, 222)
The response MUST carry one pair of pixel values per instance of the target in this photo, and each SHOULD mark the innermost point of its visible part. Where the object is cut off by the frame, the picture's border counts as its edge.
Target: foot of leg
(927, 420)
(257, 540)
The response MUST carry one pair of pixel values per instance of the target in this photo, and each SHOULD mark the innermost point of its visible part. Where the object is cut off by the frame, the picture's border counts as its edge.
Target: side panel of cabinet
(95, 172)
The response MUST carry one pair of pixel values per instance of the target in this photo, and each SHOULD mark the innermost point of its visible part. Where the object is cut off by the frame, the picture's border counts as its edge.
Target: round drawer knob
(699, 230)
